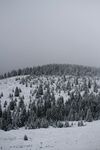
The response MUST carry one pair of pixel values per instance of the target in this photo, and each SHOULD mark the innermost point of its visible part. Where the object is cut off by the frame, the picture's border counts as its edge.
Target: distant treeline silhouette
(54, 69)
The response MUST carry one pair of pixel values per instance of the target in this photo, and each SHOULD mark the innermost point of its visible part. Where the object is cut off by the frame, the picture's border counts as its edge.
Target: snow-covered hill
(75, 138)
(60, 85)
(83, 92)
(8, 85)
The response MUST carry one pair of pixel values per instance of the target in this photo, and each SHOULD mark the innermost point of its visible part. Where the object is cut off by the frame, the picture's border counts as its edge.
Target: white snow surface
(72, 138)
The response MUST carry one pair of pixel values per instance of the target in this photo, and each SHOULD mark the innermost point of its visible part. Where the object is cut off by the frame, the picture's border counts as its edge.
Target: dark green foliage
(17, 92)
(54, 113)
(25, 138)
(89, 84)
(67, 124)
(76, 81)
(89, 116)
(60, 124)
(95, 87)
(80, 123)
(85, 88)
(44, 123)
(68, 86)
(12, 105)
(71, 115)
(0, 111)
(9, 117)
(4, 120)
(39, 91)
(60, 108)
(55, 69)
(21, 103)
(23, 117)
(1, 94)
(48, 114)
(5, 104)
(10, 96)
(46, 111)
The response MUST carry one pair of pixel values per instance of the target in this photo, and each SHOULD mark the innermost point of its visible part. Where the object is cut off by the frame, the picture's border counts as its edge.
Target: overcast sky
(35, 32)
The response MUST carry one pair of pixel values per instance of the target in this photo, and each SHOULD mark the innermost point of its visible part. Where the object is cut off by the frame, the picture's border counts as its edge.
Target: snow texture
(74, 138)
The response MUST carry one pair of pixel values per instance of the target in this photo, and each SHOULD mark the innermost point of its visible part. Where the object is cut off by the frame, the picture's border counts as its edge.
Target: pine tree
(80, 123)
(9, 119)
(85, 88)
(67, 124)
(71, 115)
(25, 138)
(44, 123)
(0, 111)
(12, 105)
(60, 107)
(17, 92)
(4, 120)
(89, 117)
(21, 103)
(5, 104)
(89, 84)
(1, 94)
(76, 116)
(54, 113)
(23, 116)
(68, 86)
(48, 114)
(95, 88)
(76, 81)
(59, 124)
(39, 91)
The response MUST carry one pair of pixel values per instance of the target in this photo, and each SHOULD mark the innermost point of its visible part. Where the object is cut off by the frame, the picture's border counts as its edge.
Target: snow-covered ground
(72, 138)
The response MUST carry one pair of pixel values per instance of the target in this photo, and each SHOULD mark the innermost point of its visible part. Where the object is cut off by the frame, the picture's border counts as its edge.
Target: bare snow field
(74, 138)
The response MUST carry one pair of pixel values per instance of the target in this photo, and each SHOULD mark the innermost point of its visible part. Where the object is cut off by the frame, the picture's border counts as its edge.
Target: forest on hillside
(55, 69)
(52, 99)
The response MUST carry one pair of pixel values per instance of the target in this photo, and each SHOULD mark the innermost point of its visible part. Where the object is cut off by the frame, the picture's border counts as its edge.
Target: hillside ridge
(55, 69)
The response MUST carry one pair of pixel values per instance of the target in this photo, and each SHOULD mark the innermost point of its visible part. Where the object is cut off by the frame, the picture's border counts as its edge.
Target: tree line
(54, 69)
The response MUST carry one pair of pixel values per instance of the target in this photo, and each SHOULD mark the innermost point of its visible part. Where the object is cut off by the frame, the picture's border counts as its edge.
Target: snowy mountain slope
(9, 84)
(56, 84)
(77, 138)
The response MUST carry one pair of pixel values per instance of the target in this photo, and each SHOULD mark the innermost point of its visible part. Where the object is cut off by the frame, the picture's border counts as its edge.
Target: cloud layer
(36, 32)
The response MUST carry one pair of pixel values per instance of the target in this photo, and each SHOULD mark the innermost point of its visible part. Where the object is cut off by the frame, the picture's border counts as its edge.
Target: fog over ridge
(45, 32)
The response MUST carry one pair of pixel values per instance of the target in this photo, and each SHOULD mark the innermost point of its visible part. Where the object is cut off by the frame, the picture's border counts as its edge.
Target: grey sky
(35, 32)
